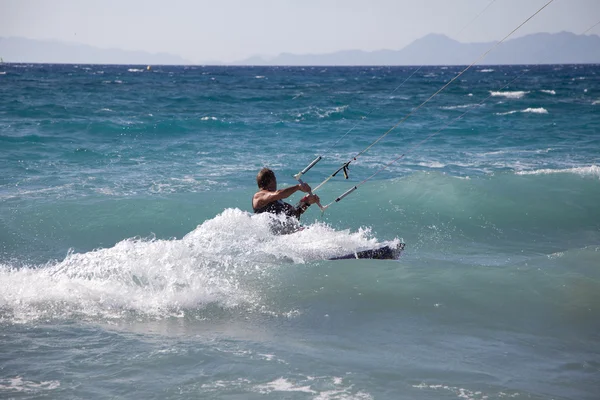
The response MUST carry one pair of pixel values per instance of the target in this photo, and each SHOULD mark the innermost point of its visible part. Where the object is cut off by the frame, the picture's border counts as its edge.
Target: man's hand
(304, 187)
(310, 199)
(313, 198)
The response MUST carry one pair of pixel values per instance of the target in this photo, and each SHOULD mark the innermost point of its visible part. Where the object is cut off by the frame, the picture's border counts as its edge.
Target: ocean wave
(135, 70)
(459, 107)
(233, 265)
(486, 70)
(207, 118)
(593, 171)
(61, 191)
(283, 385)
(517, 151)
(319, 387)
(485, 218)
(548, 91)
(335, 110)
(432, 164)
(19, 385)
(178, 185)
(320, 112)
(463, 393)
(509, 95)
(222, 262)
(539, 110)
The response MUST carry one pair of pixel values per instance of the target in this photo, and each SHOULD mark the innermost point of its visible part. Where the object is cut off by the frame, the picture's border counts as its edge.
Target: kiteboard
(380, 253)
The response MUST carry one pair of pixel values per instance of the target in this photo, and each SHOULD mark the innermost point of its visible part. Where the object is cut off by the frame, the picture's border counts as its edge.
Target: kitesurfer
(269, 199)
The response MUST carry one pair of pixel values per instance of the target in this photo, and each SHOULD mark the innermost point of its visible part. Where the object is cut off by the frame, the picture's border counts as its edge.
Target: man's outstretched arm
(262, 198)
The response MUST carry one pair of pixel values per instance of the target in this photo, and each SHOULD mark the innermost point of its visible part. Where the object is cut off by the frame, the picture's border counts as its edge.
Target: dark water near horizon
(131, 266)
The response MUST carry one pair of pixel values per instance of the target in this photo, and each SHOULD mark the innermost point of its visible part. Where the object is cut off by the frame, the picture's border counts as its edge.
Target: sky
(232, 30)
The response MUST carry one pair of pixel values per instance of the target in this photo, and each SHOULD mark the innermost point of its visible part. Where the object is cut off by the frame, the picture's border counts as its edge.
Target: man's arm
(262, 198)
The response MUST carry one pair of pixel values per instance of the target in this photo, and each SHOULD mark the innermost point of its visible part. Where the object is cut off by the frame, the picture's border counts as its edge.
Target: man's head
(266, 179)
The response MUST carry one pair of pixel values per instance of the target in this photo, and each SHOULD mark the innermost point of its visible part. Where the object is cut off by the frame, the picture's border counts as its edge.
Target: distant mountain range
(46, 51)
(436, 49)
(433, 49)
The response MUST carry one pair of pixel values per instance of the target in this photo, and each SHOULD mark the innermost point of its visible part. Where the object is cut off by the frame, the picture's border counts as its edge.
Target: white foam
(593, 171)
(462, 106)
(309, 384)
(17, 384)
(595, 102)
(208, 118)
(509, 95)
(548, 92)
(517, 151)
(2, 72)
(486, 70)
(135, 70)
(219, 262)
(59, 191)
(342, 394)
(432, 164)
(260, 77)
(334, 110)
(320, 112)
(508, 112)
(220, 384)
(539, 110)
(283, 385)
(461, 393)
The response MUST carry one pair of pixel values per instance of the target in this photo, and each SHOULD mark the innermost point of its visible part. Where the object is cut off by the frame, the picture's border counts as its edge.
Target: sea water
(131, 265)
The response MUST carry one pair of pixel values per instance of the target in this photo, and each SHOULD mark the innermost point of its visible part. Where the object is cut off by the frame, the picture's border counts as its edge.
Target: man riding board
(269, 199)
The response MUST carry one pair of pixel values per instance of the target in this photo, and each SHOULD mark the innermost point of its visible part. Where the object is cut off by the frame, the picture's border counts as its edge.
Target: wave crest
(538, 110)
(509, 95)
(224, 262)
(593, 171)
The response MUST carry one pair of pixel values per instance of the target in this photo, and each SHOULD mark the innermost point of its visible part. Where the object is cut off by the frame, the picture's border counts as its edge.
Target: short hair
(264, 177)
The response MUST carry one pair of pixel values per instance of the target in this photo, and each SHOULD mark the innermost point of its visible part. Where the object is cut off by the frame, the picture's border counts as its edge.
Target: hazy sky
(230, 30)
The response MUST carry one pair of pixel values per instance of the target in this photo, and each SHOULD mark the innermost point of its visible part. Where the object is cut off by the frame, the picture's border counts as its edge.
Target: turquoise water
(131, 267)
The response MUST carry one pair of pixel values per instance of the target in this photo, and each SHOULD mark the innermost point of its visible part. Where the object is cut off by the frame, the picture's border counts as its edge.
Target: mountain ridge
(439, 49)
(23, 50)
(432, 49)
